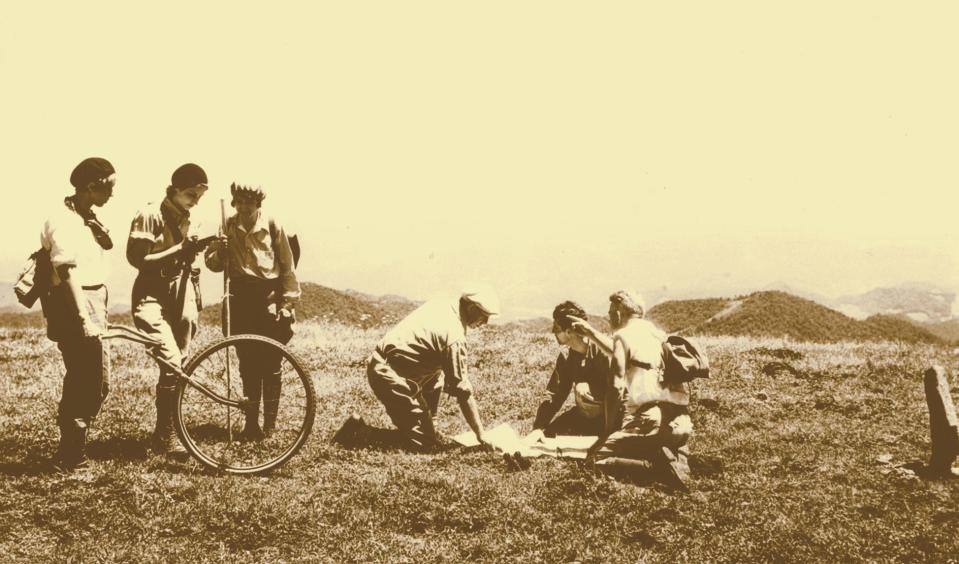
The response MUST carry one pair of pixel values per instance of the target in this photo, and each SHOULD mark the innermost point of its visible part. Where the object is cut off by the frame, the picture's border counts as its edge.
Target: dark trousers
(86, 382)
(260, 364)
(411, 411)
(574, 422)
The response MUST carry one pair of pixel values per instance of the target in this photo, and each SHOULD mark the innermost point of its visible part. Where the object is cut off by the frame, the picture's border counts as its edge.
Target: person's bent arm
(557, 390)
(615, 396)
(139, 255)
(582, 327)
(285, 267)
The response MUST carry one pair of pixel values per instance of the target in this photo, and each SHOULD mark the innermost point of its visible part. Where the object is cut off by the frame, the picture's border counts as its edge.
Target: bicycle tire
(216, 443)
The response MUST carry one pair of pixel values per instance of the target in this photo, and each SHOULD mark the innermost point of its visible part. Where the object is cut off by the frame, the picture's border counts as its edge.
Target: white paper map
(505, 439)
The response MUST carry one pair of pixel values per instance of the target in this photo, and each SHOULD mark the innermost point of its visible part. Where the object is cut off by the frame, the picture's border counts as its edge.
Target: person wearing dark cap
(263, 290)
(76, 306)
(423, 355)
(163, 248)
(583, 369)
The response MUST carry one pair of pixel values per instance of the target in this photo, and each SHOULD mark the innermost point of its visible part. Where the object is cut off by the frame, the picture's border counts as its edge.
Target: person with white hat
(423, 355)
(263, 291)
(648, 422)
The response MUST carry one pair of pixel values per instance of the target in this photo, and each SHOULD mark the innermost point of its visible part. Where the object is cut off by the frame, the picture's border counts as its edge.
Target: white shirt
(643, 342)
(422, 344)
(70, 241)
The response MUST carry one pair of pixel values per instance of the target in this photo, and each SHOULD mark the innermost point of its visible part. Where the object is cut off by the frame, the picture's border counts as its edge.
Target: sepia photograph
(528, 281)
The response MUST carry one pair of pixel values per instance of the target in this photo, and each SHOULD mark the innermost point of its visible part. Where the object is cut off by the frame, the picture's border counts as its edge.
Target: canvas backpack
(683, 361)
(35, 279)
(294, 243)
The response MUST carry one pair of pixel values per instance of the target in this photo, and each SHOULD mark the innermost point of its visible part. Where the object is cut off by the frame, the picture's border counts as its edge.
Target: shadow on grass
(928, 473)
(118, 448)
(361, 435)
(39, 460)
(27, 467)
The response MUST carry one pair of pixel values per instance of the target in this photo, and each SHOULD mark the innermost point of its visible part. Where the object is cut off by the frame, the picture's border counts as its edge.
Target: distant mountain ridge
(760, 314)
(348, 307)
(919, 303)
(778, 314)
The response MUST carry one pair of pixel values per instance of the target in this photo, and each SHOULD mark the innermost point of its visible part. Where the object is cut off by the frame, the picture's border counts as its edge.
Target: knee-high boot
(252, 389)
(272, 386)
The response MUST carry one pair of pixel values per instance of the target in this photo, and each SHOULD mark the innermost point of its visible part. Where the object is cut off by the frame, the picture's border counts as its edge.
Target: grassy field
(789, 464)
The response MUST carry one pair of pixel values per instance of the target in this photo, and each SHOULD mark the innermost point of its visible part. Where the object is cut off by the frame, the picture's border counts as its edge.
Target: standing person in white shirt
(76, 307)
(421, 356)
(263, 291)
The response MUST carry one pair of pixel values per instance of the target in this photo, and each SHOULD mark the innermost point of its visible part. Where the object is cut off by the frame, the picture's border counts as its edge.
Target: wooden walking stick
(225, 319)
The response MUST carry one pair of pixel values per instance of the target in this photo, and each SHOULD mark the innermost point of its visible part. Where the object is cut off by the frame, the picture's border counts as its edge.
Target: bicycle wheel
(214, 432)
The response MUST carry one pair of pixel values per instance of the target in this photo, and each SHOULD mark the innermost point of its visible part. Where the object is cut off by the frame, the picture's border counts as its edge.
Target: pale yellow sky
(554, 149)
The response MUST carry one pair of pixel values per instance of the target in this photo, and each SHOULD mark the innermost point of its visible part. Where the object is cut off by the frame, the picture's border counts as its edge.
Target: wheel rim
(214, 433)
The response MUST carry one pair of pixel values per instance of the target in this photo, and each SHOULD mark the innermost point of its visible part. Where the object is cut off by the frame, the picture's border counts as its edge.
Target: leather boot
(164, 438)
(252, 389)
(272, 386)
(71, 453)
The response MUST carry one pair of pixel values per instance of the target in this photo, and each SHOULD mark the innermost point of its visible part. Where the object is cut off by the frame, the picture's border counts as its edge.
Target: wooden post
(943, 423)
(226, 319)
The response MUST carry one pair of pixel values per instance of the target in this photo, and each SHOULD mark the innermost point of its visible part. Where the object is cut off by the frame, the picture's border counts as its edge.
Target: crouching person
(421, 357)
(263, 290)
(582, 368)
(648, 421)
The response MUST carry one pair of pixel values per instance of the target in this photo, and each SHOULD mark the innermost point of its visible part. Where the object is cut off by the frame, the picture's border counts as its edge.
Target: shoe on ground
(62, 465)
(349, 431)
(672, 470)
(168, 446)
(252, 434)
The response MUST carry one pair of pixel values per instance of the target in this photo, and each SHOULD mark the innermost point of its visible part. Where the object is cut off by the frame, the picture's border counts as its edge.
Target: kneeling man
(421, 357)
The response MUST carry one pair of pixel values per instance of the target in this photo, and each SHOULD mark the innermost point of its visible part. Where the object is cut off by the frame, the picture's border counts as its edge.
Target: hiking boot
(441, 442)
(350, 431)
(71, 452)
(672, 470)
(272, 386)
(252, 433)
(164, 439)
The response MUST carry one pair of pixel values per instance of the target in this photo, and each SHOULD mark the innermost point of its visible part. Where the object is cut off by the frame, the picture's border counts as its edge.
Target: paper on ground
(505, 439)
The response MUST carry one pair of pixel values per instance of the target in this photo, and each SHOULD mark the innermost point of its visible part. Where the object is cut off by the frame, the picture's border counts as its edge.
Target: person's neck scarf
(100, 233)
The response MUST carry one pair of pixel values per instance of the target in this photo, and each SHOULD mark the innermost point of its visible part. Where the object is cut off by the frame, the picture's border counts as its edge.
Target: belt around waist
(247, 281)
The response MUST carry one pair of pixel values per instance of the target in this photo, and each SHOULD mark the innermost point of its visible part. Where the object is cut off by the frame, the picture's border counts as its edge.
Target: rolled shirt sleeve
(284, 265)
(146, 226)
(456, 382)
(63, 250)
